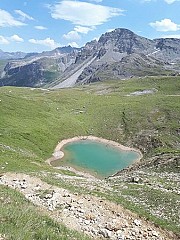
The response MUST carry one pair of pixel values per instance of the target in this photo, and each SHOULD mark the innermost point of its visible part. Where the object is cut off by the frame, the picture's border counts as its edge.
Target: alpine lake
(96, 158)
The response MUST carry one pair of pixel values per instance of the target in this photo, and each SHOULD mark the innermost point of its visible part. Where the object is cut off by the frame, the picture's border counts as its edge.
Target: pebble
(105, 233)
(137, 222)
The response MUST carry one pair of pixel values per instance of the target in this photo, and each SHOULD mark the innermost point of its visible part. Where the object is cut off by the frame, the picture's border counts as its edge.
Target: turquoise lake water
(98, 158)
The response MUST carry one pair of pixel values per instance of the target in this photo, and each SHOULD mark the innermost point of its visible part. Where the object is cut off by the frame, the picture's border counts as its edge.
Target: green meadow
(33, 121)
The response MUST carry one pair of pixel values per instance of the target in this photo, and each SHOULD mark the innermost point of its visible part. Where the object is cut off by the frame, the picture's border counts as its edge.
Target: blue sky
(39, 25)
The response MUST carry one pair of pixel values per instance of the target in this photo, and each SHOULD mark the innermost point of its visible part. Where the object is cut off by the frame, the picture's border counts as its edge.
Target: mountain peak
(125, 40)
(118, 32)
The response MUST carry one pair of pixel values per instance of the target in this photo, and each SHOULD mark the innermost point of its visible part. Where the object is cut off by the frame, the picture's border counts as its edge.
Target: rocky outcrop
(119, 54)
(168, 49)
(123, 54)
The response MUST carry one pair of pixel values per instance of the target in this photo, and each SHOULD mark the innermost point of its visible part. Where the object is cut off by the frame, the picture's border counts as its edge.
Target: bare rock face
(123, 54)
(168, 49)
(119, 54)
(124, 40)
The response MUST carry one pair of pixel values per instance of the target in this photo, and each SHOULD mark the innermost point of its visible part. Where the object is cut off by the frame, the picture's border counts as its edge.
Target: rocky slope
(93, 215)
(119, 54)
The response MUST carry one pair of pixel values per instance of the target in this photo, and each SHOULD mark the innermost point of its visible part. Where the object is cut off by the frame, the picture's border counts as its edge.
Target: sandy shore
(58, 154)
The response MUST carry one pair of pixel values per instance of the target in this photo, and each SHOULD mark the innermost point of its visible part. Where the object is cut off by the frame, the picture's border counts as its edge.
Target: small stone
(81, 210)
(120, 237)
(137, 222)
(106, 233)
(87, 222)
(23, 186)
(155, 234)
(136, 179)
(48, 196)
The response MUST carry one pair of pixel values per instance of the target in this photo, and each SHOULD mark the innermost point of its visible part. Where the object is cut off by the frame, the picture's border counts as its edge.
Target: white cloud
(171, 1)
(40, 27)
(3, 40)
(75, 34)
(165, 25)
(48, 42)
(172, 36)
(72, 35)
(73, 44)
(13, 38)
(81, 29)
(16, 38)
(7, 20)
(23, 16)
(83, 13)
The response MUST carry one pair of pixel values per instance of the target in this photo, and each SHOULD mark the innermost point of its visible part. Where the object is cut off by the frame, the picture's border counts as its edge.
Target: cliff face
(117, 55)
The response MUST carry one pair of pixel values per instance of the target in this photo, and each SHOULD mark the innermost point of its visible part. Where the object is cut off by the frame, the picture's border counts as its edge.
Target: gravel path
(92, 215)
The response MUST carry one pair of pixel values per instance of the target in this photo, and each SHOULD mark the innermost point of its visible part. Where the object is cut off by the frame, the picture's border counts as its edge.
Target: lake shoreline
(58, 153)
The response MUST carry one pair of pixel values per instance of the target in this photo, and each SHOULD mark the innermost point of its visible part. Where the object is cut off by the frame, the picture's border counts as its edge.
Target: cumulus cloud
(23, 16)
(13, 38)
(40, 27)
(3, 40)
(81, 29)
(48, 42)
(73, 44)
(72, 35)
(83, 13)
(165, 25)
(16, 38)
(7, 20)
(75, 34)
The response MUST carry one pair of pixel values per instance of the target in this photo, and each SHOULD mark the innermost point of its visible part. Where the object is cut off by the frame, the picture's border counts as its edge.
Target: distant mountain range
(119, 54)
(11, 55)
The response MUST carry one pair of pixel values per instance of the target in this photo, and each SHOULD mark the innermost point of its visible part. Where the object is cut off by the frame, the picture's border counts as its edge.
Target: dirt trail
(93, 215)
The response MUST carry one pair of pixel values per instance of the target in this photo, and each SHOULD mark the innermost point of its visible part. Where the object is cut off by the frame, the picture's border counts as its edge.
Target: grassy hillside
(34, 120)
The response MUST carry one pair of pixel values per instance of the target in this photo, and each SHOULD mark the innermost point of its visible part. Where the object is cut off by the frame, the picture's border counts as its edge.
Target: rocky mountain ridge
(12, 55)
(119, 54)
